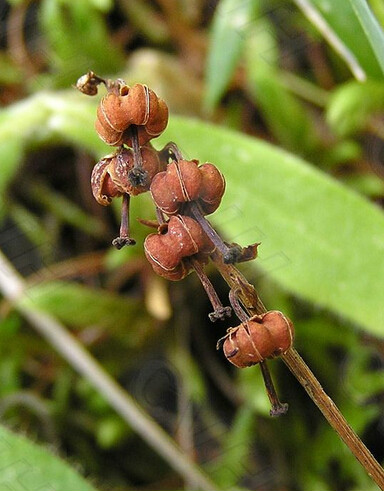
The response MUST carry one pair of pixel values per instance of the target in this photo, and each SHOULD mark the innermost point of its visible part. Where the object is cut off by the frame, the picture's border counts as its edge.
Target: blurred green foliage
(256, 67)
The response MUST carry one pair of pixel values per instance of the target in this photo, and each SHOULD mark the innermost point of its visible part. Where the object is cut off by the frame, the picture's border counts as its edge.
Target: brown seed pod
(87, 84)
(181, 238)
(212, 188)
(124, 162)
(110, 176)
(103, 188)
(184, 181)
(262, 336)
(124, 106)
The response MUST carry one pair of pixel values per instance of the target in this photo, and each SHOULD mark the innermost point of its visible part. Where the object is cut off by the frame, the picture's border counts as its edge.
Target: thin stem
(124, 238)
(219, 311)
(333, 415)
(14, 288)
(277, 408)
(237, 282)
(171, 149)
(230, 254)
(137, 176)
(304, 375)
(237, 308)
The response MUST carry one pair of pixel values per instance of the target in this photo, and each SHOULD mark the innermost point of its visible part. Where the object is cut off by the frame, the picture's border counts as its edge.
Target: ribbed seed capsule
(185, 181)
(262, 336)
(110, 176)
(125, 106)
(103, 188)
(182, 237)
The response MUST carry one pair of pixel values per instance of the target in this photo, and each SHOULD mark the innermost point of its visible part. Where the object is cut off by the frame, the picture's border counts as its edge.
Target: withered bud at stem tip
(87, 84)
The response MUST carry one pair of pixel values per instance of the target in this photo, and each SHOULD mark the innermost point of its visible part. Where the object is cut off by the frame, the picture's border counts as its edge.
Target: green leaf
(341, 21)
(371, 27)
(231, 21)
(26, 466)
(352, 104)
(320, 240)
(65, 116)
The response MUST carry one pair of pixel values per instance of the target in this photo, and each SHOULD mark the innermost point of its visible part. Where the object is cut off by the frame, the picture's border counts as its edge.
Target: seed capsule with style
(169, 249)
(110, 175)
(185, 181)
(263, 336)
(124, 106)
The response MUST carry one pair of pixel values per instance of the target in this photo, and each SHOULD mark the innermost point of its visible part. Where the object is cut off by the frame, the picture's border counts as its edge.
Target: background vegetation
(304, 75)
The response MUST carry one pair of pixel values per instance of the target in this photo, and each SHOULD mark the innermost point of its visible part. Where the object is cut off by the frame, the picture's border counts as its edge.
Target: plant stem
(14, 289)
(170, 149)
(333, 415)
(230, 254)
(124, 237)
(304, 375)
(219, 311)
(137, 176)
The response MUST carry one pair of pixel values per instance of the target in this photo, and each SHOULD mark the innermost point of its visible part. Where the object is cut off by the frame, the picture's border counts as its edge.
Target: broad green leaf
(372, 28)
(80, 306)
(352, 104)
(45, 117)
(320, 240)
(229, 30)
(27, 466)
(19, 124)
(341, 21)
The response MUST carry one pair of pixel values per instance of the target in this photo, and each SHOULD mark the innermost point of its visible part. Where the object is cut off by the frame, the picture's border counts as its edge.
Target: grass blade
(371, 28)
(228, 35)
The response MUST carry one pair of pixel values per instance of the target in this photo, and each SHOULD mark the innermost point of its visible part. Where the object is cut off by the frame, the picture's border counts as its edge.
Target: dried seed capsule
(110, 176)
(212, 188)
(124, 162)
(184, 181)
(103, 188)
(262, 336)
(181, 238)
(125, 106)
(87, 84)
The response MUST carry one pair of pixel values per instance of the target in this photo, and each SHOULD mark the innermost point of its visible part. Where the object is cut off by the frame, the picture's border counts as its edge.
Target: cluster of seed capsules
(183, 192)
